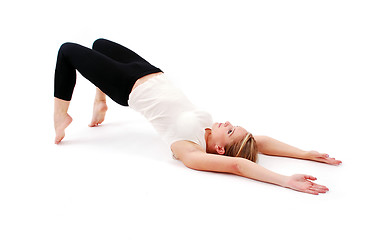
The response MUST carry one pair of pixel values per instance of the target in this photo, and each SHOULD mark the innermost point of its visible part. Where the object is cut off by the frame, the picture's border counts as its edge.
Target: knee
(66, 47)
(99, 42)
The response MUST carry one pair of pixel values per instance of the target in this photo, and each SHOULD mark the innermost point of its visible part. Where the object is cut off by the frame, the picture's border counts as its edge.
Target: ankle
(100, 106)
(99, 100)
(60, 107)
(60, 114)
(60, 117)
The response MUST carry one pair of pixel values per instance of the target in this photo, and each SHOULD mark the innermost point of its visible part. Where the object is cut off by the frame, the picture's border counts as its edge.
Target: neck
(208, 140)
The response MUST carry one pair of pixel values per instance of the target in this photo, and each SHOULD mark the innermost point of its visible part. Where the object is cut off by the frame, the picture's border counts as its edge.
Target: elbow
(190, 164)
(242, 167)
(236, 167)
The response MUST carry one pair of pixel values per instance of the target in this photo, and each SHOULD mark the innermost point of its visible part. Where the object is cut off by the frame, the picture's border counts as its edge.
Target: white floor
(295, 71)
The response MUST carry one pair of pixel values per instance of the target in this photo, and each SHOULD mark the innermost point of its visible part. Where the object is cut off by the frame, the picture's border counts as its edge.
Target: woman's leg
(92, 65)
(99, 109)
(118, 53)
(111, 77)
(61, 118)
(105, 73)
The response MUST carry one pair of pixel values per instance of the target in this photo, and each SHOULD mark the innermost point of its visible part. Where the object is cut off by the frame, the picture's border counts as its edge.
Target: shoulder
(182, 149)
(193, 156)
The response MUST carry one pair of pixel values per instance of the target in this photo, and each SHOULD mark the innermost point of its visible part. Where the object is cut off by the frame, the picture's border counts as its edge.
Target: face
(226, 133)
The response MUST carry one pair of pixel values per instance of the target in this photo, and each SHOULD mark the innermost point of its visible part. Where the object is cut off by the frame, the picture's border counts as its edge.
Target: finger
(335, 162)
(319, 190)
(310, 177)
(332, 161)
(310, 191)
(316, 189)
(319, 187)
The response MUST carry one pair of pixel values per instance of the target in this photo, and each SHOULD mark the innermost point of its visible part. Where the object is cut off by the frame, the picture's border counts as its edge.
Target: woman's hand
(321, 157)
(302, 183)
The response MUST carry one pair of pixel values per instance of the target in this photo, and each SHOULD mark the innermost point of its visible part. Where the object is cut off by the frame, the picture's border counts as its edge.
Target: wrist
(304, 154)
(284, 182)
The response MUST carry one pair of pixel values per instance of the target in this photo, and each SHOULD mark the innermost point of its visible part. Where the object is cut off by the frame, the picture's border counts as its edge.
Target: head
(234, 141)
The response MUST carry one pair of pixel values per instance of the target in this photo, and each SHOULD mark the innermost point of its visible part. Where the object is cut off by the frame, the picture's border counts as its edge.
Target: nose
(226, 124)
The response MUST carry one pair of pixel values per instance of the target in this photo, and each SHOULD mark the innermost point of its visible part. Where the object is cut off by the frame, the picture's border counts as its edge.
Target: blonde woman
(193, 137)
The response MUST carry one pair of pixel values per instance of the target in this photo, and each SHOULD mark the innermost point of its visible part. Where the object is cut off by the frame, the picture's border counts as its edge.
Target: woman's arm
(270, 146)
(196, 159)
(298, 182)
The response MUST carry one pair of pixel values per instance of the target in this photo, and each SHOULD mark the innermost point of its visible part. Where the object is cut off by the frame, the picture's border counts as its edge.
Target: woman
(194, 139)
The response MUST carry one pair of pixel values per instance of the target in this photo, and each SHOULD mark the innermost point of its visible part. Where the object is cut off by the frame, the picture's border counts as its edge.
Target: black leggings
(111, 67)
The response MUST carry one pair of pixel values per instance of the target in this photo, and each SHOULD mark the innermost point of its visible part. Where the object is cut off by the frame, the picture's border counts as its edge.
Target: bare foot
(322, 157)
(61, 122)
(99, 112)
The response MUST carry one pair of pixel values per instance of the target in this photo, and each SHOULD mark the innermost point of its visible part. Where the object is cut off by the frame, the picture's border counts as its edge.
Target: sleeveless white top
(170, 112)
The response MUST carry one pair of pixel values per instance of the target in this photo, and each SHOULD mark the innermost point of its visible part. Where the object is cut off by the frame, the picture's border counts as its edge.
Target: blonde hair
(245, 148)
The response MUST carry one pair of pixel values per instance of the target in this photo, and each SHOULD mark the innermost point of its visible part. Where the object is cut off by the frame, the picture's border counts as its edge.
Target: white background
(298, 71)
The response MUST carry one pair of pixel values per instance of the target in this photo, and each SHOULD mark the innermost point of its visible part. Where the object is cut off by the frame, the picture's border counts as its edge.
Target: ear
(220, 150)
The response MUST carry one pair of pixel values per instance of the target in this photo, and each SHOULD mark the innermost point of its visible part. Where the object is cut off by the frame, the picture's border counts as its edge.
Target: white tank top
(170, 112)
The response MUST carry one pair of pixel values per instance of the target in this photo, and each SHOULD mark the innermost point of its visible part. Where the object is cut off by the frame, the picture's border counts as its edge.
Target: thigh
(114, 78)
(105, 73)
(116, 51)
